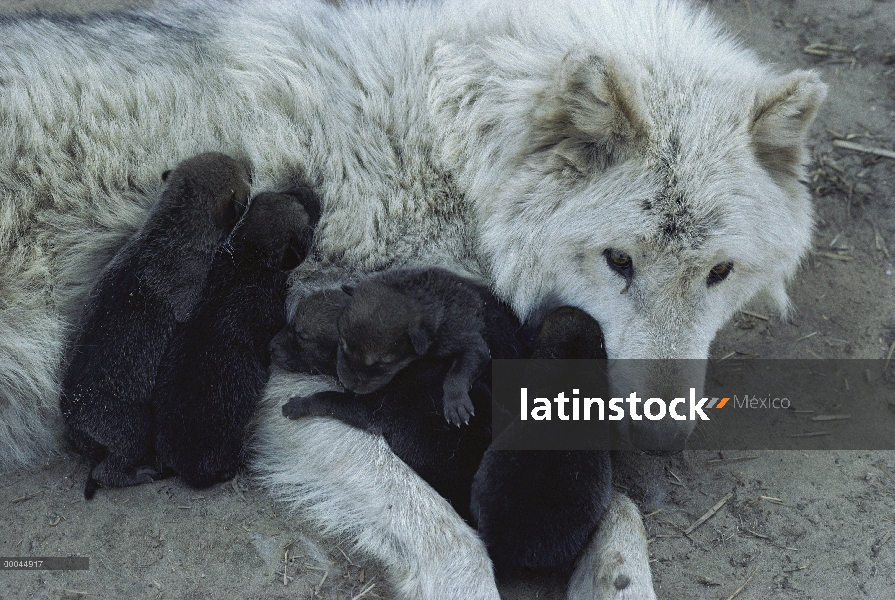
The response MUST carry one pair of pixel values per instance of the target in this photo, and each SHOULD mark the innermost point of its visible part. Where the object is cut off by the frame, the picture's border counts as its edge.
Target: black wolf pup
(407, 410)
(538, 509)
(309, 343)
(397, 317)
(153, 282)
(210, 381)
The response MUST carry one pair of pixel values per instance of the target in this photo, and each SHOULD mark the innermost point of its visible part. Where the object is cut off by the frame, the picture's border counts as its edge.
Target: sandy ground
(798, 525)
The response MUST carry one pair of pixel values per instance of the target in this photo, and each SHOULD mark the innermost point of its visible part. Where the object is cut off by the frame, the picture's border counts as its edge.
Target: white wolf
(621, 156)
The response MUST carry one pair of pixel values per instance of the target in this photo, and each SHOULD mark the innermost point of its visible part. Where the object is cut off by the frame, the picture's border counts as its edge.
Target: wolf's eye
(719, 273)
(620, 262)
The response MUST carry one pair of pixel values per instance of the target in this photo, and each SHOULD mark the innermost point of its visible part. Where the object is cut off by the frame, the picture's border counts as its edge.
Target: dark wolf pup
(216, 368)
(153, 282)
(407, 410)
(535, 508)
(309, 343)
(532, 508)
(399, 316)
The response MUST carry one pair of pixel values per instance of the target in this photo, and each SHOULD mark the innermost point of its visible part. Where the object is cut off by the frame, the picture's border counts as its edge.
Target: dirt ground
(797, 525)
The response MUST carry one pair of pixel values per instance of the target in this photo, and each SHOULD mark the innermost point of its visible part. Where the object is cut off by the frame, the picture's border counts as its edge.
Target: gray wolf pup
(152, 283)
(215, 370)
(400, 316)
(628, 158)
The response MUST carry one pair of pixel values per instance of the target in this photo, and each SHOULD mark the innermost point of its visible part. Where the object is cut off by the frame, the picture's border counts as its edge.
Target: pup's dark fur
(399, 316)
(407, 410)
(309, 343)
(210, 381)
(153, 282)
(538, 509)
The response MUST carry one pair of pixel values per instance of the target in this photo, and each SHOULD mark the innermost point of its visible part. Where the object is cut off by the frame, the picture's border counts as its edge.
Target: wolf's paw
(613, 581)
(458, 408)
(615, 565)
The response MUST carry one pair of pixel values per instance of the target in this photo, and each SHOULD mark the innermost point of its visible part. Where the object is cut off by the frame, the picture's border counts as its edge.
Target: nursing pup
(407, 413)
(534, 508)
(400, 316)
(407, 410)
(210, 381)
(153, 283)
(309, 343)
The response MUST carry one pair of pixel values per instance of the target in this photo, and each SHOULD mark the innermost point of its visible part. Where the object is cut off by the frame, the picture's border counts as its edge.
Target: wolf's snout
(673, 381)
(659, 438)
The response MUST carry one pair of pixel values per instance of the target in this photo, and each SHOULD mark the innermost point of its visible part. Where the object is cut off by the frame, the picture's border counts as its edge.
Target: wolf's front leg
(615, 564)
(351, 485)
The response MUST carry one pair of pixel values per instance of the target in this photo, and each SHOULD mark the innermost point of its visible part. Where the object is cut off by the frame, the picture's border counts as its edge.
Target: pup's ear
(292, 257)
(569, 332)
(311, 202)
(300, 244)
(348, 289)
(165, 175)
(420, 340)
(780, 116)
(590, 114)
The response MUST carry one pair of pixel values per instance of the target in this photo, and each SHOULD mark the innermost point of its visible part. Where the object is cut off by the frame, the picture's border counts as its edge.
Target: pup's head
(657, 189)
(278, 226)
(381, 331)
(309, 342)
(215, 182)
(569, 333)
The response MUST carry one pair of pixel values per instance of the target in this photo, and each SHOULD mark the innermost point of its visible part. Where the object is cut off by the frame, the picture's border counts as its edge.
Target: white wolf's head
(651, 179)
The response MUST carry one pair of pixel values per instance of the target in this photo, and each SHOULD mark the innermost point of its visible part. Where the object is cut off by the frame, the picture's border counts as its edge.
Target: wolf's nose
(659, 443)
(659, 438)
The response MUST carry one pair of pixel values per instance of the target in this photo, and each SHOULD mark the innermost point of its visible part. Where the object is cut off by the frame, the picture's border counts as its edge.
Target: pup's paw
(298, 407)
(146, 474)
(458, 409)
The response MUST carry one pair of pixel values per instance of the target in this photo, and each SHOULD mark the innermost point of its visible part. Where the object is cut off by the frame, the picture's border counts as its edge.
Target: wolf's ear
(780, 116)
(420, 340)
(590, 113)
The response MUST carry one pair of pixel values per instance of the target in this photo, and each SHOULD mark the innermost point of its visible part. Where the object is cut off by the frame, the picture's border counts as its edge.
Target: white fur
(517, 141)
(616, 564)
(352, 485)
(684, 109)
